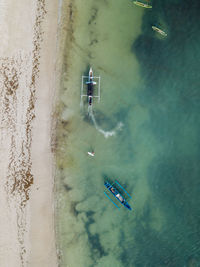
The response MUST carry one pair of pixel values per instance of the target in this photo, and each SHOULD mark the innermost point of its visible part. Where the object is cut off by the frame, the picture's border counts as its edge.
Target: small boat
(159, 31)
(115, 192)
(138, 3)
(90, 83)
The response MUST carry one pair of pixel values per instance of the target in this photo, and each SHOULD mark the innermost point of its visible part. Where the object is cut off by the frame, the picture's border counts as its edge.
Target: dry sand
(27, 88)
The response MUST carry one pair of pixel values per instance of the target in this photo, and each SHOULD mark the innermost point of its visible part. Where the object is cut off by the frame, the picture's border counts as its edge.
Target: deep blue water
(172, 94)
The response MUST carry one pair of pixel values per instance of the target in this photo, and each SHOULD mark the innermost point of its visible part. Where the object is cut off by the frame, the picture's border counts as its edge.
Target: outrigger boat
(90, 87)
(159, 31)
(115, 192)
(138, 3)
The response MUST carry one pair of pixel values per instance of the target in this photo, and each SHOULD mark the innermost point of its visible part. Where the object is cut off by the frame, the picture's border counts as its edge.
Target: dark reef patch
(94, 12)
(73, 209)
(94, 41)
(97, 250)
(67, 187)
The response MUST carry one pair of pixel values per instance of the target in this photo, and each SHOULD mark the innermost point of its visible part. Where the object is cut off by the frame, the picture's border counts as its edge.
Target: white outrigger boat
(90, 87)
(138, 3)
(159, 31)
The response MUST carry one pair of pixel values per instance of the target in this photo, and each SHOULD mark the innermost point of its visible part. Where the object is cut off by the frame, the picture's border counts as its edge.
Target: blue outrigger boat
(116, 194)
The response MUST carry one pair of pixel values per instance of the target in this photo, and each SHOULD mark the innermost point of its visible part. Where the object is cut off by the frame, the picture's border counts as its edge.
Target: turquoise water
(146, 137)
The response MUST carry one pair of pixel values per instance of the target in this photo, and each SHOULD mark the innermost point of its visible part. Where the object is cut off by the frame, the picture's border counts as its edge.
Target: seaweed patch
(18, 75)
(94, 12)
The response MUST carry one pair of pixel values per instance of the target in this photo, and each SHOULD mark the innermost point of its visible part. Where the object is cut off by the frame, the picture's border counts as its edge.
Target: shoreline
(64, 35)
(43, 251)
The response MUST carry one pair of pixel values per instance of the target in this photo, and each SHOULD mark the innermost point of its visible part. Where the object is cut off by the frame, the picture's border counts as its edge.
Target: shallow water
(150, 87)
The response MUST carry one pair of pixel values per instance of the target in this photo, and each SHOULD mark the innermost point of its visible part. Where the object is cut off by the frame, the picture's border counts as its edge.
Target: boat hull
(137, 3)
(159, 31)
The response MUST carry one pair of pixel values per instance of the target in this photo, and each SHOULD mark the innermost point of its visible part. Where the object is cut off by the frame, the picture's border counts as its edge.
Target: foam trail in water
(105, 133)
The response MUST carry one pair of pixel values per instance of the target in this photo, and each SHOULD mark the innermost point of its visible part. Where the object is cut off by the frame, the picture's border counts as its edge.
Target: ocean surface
(144, 132)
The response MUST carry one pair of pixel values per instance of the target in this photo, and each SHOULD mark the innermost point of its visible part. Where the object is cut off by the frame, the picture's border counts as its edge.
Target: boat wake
(105, 133)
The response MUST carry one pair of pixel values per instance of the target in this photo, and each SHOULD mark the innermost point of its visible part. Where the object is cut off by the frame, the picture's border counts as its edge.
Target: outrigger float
(115, 192)
(138, 3)
(159, 31)
(91, 81)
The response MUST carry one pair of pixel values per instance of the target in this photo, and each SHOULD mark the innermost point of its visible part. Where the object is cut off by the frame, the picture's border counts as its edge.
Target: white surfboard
(91, 154)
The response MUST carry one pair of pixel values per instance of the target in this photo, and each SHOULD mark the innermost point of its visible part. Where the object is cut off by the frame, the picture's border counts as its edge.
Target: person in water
(112, 189)
(120, 197)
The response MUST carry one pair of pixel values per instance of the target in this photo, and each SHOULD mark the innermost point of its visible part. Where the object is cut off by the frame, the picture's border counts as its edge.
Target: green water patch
(90, 230)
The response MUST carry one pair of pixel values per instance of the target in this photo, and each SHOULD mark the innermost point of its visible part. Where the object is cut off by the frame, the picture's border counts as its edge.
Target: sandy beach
(27, 92)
